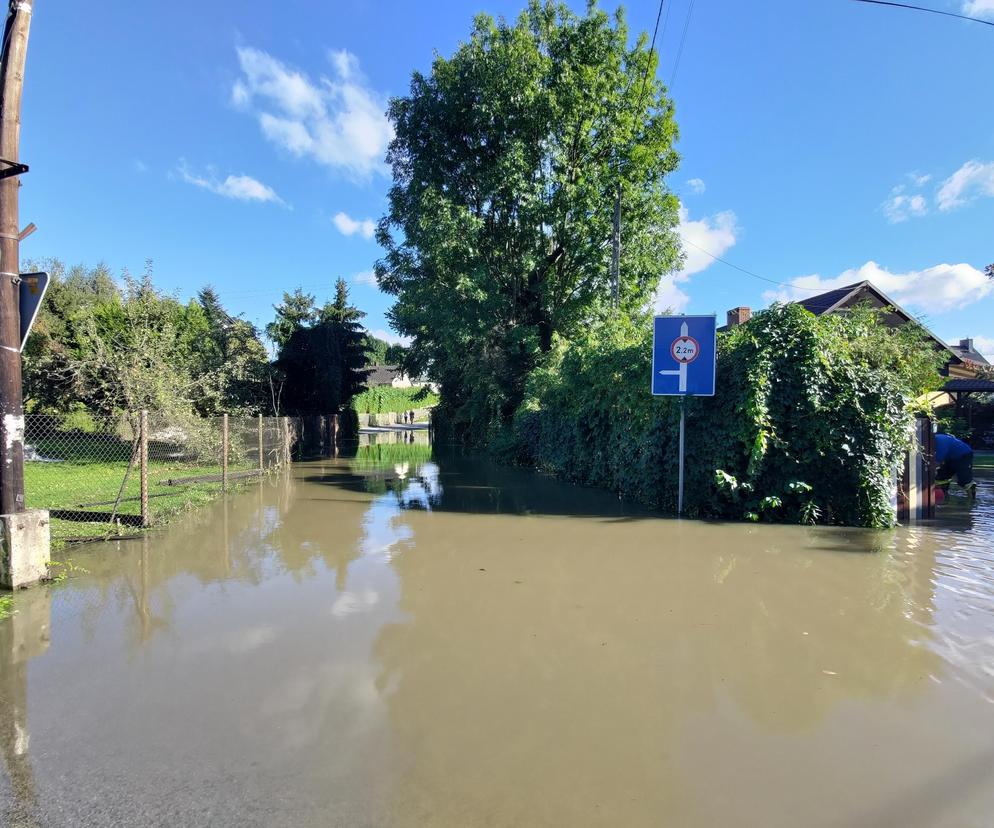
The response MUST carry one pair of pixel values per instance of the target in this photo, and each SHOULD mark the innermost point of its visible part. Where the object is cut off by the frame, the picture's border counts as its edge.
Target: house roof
(382, 375)
(830, 300)
(968, 385)
(971, 354)
(837, 299)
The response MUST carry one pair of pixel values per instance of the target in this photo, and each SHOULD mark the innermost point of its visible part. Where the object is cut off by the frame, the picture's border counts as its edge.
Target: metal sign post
(679, 342)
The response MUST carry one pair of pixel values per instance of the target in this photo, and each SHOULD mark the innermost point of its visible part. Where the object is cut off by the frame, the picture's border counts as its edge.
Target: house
(914, 497)
(968, 352)
(962, 360)
(387, 375)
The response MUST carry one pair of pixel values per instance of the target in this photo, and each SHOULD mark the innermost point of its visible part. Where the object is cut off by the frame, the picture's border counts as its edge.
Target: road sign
(683, 356)
(33, 287)
(684, 349)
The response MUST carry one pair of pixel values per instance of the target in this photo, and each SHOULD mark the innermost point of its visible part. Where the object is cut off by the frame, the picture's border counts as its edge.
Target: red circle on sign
(685, 349)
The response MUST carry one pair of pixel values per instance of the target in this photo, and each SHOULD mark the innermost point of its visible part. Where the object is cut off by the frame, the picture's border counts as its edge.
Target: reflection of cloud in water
(382, 526)
(423, 489)
(351, 602)
(238, 641)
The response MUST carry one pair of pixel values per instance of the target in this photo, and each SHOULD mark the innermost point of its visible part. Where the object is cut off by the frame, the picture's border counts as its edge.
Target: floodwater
(399, 639)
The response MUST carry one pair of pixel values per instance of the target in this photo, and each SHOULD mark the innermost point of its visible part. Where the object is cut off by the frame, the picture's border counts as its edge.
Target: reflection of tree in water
(580, 652)
(229, 540)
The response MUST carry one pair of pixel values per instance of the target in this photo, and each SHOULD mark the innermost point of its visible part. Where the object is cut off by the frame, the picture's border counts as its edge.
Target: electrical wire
(683, 39)
(648, 65)
(749, 272)
(925, 9)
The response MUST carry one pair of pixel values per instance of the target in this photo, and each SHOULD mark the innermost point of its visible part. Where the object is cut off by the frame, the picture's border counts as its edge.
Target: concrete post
(25, 548)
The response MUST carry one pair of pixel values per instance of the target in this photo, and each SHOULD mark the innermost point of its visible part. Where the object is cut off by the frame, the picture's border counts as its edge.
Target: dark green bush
(811, 417)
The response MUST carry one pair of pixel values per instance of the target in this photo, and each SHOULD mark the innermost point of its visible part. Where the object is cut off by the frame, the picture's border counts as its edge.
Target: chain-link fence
(145, 466)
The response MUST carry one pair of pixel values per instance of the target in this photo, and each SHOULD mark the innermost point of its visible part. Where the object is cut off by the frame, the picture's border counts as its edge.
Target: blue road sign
(683, 356)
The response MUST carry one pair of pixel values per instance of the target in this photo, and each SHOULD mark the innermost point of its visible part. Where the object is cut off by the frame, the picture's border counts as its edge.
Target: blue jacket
(948, 447)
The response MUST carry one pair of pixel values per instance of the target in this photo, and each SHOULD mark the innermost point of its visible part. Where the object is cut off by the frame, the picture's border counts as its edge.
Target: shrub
(811, 417)
(387, 400)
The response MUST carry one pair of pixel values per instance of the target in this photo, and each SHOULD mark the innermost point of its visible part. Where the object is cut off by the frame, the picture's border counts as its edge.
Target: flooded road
(397, 639)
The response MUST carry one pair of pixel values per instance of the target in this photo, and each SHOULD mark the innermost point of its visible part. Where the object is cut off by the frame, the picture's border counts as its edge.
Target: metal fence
(146, 465)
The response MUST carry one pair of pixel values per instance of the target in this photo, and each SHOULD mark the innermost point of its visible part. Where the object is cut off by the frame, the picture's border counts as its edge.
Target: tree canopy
(115, 346)
(506, 163)
(122, 346)
(322, 363)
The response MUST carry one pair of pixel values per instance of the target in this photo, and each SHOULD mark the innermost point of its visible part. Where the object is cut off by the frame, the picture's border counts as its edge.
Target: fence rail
(146, 465)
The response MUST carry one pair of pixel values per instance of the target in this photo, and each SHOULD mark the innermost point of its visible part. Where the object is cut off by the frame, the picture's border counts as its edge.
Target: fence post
(224, 452)
(143, 455)
(262, 462)
(286, 441)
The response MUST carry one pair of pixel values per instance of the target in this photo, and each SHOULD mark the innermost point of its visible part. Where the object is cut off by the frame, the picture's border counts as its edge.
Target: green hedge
(811, 416)
(386, 400)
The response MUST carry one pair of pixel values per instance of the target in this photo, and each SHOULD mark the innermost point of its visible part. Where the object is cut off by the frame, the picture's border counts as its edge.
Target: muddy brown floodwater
(400, 639)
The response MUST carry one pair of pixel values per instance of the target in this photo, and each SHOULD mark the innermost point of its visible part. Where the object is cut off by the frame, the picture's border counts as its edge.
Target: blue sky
(232, 143)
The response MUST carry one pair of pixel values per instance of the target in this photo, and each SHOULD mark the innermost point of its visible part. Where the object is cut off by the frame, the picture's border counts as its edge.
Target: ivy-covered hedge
(811, 417)
(385, 399)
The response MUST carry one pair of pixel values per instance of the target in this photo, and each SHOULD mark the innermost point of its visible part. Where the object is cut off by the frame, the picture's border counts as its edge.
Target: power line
(666, 22)
(683, 39)
(925, 9)
(749, 272)
(652, 45)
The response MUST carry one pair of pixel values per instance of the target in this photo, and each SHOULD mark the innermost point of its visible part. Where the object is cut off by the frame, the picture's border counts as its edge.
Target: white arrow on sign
(682, 370)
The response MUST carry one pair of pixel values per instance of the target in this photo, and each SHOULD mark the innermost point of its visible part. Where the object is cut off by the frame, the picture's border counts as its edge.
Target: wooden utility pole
(12, 58)
(616, 249)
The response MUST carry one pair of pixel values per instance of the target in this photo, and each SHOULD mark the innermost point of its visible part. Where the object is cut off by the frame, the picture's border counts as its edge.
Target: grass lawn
(89, 478)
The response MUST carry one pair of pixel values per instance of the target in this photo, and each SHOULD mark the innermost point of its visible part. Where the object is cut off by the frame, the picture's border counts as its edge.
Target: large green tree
(322, 364)
(228, 360)
(297, 310)
(506, 163)
(118, 346)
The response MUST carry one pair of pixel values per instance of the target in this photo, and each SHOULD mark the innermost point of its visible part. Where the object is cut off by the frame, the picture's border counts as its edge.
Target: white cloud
(696, 185)
(971, 180)
(345, 63)
(349, 226)
(937, 289)
(900, 207)
(715, 234)
(140, 166)
(366, 277)
(669, 297)
(239, 187)
(979, 8)
(391, 338)
(338, 122)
